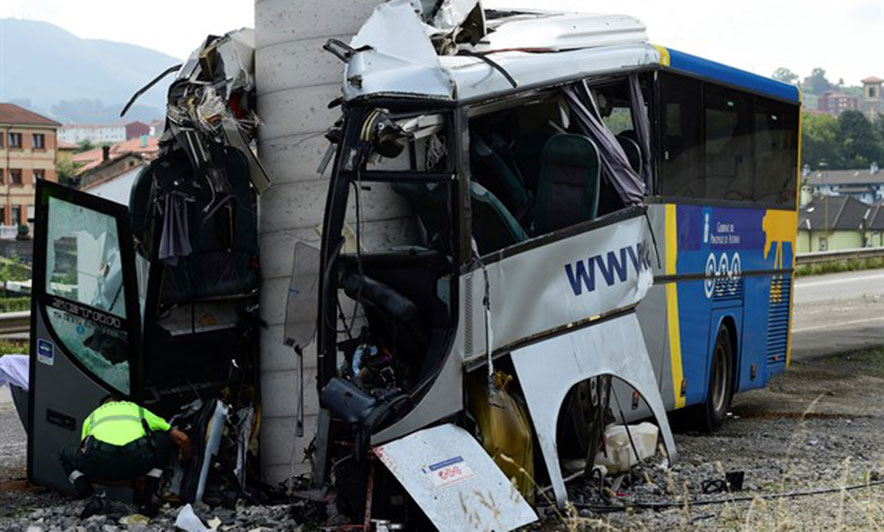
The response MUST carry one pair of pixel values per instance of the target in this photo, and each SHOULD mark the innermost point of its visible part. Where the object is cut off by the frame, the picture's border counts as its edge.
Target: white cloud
(757, 35)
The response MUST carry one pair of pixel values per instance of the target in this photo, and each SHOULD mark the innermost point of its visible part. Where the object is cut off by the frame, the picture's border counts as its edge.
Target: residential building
(873, 100)
(830, 223)
(113, 178)
(835, 103)
(156, 128)
(147, 147)
(136, 129)
(875, 232)
(94, 133)
(103, 133)
(866, 185)
(27, 153)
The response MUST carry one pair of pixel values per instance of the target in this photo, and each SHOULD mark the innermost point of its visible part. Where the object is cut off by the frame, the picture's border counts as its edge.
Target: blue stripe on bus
(740, 78)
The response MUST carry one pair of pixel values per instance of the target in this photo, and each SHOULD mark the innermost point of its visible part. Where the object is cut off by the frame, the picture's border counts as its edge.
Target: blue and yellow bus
(561, 206)
(726, 152)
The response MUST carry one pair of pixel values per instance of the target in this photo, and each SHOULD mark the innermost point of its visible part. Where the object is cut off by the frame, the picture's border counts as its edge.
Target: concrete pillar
(296, 80)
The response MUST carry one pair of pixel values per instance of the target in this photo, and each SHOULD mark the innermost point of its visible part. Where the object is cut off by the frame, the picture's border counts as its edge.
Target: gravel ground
(817, 426)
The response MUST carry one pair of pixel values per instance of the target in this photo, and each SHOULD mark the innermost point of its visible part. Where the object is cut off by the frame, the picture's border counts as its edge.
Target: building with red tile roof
(28, 143)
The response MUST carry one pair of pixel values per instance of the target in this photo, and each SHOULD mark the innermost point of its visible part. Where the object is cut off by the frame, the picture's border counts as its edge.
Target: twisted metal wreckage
(159, 302)
(446, 357)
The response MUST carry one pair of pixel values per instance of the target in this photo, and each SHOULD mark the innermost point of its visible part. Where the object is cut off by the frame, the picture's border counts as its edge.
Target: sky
(842, 37)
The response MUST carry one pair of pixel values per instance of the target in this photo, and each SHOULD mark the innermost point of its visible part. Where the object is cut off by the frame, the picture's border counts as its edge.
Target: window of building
(1, 179)
(39, 174)
(872, 92)
(3, 215)
(16, 215)
(38, 141)
(15, 140)
(1, 139)
(15, 176)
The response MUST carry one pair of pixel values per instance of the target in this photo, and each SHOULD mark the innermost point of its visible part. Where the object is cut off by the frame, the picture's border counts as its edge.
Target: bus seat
(493, 226)
(568, 183)
(527, 152)
(492, 164)
(633, 152)
(430, 204)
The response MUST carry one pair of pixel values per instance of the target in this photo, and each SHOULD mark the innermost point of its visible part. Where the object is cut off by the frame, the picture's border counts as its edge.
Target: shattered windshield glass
(84, 272)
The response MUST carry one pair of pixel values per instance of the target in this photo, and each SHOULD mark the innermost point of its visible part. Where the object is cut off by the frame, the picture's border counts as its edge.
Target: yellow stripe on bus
(672, 306)
(664, 55)
(795, 239)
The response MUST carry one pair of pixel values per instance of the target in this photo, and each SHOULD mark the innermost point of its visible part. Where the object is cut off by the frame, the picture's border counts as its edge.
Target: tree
(85, 145)
(817, 82)
(785, 75)
(67, 171)
(857, 140)
(819, 142)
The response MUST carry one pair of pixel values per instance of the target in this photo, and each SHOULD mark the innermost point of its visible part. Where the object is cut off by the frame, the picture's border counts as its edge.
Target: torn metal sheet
(454, 481)
(452, 13)
(391, 54)
(234, 135)
(548, 369)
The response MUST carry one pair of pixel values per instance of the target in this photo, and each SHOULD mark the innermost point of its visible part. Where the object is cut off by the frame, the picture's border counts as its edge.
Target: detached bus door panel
(85, 326)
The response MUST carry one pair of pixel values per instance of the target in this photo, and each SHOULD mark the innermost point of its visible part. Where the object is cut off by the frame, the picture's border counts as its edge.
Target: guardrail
(15, 322)
(818, 257)
(20, 322)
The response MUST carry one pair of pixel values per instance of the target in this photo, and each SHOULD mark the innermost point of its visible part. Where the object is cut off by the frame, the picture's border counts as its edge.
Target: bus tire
(721, 383)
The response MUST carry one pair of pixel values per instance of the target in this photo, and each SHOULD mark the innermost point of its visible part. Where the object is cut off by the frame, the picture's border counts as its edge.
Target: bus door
(85, 339)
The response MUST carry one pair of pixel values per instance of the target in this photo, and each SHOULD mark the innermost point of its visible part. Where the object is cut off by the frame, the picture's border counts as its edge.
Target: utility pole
(295, 80)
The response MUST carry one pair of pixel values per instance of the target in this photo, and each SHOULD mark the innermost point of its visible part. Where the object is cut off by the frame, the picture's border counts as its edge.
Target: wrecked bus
(156, 301)
(556, 205)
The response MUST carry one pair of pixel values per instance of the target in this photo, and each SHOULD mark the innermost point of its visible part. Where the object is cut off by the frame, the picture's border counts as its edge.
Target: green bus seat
(568, 183)
(493, 166)
(633, 152)
(494, 227)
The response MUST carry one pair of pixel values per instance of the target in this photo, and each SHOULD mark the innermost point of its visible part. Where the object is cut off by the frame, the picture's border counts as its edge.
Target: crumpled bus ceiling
(396, 52)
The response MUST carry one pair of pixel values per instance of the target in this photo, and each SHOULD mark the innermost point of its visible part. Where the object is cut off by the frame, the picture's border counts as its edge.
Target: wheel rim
(720, 379)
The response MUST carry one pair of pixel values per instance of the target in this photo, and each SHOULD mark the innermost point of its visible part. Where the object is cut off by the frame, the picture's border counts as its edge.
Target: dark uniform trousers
(103, 462)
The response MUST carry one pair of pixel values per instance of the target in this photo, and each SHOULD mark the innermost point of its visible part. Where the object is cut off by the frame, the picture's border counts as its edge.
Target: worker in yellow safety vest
(123, 443)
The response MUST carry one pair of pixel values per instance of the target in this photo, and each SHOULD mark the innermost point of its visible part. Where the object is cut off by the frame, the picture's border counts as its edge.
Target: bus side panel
(753, 372)
(734, 249)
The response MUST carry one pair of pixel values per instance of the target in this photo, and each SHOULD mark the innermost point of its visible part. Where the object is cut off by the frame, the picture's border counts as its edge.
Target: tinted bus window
(776, 152)
(728, 144)
(681, 158)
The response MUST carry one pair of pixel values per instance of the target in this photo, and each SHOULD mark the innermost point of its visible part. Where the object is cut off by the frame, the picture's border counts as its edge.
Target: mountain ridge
(70, 79)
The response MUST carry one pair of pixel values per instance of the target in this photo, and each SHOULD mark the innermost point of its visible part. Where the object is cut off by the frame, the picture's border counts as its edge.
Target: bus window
(776, 147)
(680, 171)
(727, 144)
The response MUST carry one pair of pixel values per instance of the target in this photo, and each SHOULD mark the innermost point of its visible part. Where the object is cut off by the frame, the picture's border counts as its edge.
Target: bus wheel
(721, 384)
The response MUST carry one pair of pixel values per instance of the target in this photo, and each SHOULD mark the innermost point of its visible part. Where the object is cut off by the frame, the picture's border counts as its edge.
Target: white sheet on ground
(14, 371)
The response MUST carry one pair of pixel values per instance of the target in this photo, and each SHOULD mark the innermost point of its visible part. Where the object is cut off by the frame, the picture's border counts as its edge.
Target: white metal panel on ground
(548, 369)
(454, 481)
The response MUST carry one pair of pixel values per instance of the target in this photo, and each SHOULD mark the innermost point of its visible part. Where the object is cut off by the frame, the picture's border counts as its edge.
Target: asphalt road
(838, 312)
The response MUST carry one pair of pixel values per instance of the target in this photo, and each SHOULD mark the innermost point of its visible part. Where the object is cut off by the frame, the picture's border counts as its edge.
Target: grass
(13, 347)
(851, 265)
(15, 304)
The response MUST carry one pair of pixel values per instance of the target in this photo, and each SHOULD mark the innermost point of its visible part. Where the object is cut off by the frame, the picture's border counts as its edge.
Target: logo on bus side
(723, 273)
(612, 266)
